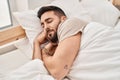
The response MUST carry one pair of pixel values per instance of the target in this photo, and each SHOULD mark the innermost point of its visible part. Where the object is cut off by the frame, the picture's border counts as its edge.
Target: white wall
(22, 5)
(32, 4)
(18, 5)
(13, 5)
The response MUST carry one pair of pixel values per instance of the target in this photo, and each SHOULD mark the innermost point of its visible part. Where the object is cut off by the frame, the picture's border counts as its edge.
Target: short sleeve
(70, 27)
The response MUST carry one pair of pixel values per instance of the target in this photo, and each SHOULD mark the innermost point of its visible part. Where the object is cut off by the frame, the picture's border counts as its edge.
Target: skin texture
(57, 57)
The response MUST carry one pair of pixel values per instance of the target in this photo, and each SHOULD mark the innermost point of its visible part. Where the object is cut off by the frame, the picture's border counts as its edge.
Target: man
(72, 52)
(63, 36)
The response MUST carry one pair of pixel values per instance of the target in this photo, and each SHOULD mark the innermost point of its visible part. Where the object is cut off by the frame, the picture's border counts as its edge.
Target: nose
(46, 26)
(47, 29)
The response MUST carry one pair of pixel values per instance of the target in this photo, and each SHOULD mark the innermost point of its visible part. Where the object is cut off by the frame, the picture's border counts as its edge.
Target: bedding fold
(33, 70)
(99, 55)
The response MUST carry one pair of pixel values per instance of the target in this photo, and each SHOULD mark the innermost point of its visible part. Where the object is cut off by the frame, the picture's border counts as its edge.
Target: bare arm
(60, 63)
(37, 50)
(40, 39)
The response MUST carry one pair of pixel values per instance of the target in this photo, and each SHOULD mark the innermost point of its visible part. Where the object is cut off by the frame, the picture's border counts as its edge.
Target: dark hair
(44, 9)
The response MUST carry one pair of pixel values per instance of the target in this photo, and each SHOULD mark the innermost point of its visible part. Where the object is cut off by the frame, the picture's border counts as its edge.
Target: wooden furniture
(11, 34)
(116, 2)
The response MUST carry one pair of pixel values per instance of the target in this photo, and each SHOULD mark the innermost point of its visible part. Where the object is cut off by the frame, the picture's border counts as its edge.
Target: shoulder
(70, 27)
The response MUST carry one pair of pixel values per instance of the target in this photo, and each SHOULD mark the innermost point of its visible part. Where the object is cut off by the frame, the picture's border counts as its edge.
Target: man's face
(50, 22)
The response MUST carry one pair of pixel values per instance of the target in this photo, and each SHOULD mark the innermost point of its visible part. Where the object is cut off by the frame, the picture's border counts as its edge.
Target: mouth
(52, 36)
(50, 33)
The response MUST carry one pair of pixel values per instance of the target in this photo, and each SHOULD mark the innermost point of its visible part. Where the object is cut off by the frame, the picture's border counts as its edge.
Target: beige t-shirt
(70, 27)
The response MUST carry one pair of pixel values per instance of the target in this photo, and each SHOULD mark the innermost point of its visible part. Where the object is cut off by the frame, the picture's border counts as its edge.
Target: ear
(63, 18)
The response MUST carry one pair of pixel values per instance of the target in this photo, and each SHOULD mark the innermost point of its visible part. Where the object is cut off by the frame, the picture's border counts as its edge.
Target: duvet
(98, 58)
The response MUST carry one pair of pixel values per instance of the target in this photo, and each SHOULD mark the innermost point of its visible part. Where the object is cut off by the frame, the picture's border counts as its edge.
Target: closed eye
(49, 20)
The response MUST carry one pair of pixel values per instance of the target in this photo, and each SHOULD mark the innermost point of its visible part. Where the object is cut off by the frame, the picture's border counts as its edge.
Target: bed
(28, 20)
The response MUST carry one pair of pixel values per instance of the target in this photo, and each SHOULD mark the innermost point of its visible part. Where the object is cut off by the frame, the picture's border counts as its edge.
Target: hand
(41, 38)
(49, 49)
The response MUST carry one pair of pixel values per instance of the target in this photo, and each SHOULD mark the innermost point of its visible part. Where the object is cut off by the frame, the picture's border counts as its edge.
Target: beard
(54, 38)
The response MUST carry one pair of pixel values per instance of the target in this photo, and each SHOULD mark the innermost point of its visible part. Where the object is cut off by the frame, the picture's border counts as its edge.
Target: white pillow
(31, 23)
(101, 11)
(72, 8)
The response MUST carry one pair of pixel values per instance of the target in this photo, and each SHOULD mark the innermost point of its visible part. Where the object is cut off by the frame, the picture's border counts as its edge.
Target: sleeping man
(65, 45)
(64, 37)
(75, 50)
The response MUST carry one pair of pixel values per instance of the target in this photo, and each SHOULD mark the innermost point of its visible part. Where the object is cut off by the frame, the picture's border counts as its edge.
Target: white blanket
(33, 70)
(99, 56)
(98, 59)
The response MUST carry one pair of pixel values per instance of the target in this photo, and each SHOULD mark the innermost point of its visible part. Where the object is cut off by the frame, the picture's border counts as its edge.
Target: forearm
(36, 51)
(53, 66)
(60, 63)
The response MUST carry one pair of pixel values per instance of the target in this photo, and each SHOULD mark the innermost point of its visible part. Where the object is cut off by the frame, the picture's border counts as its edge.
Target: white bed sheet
(99, 57)
(33, 70)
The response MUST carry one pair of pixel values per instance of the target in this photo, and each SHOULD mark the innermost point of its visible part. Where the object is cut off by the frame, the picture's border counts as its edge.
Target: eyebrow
(47, 19)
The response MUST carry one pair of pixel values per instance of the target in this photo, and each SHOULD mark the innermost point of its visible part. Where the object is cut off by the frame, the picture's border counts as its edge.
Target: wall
(18, 5)
(22, 5)
(36, 3)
